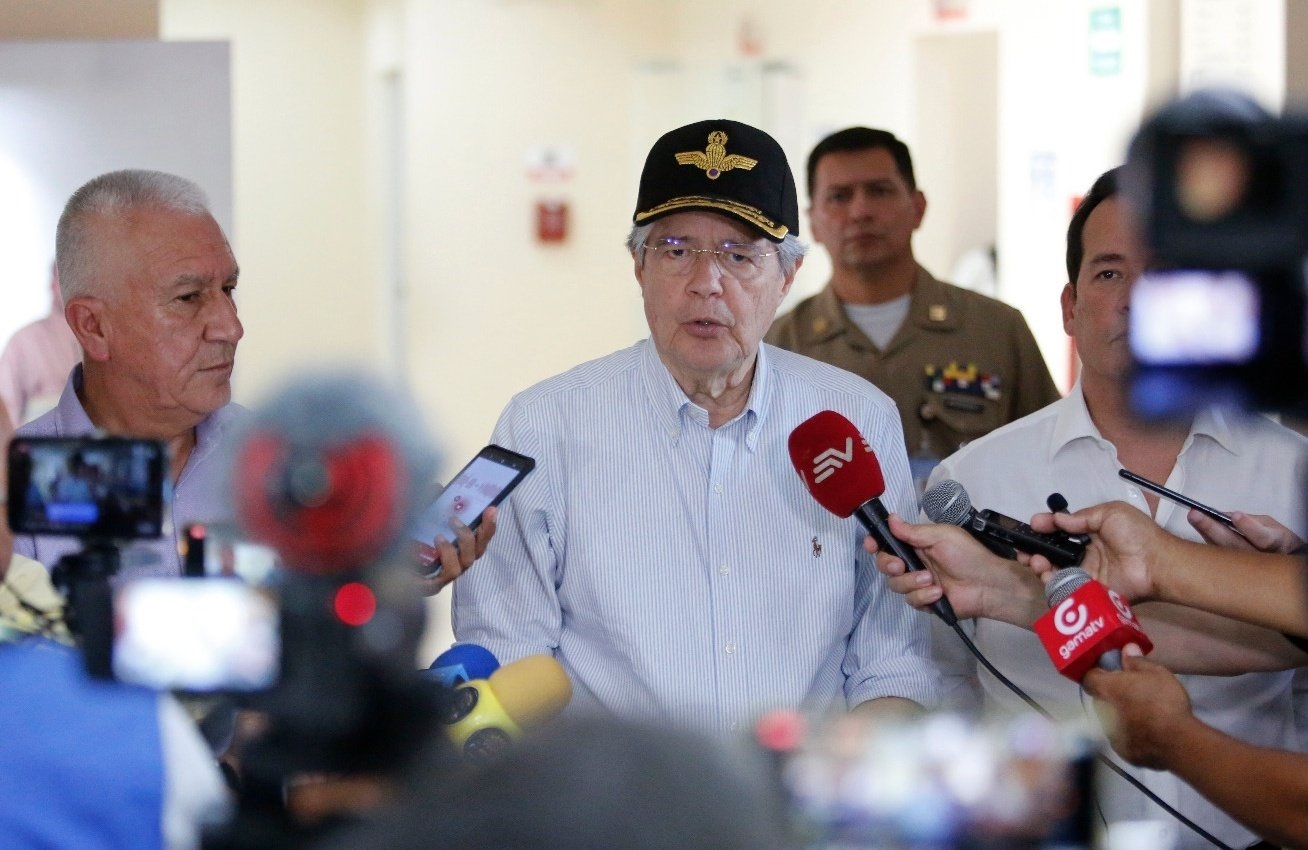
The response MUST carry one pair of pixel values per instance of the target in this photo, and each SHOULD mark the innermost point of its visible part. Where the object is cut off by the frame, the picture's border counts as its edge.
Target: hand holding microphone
(977, 582)
(1087, 625)
(486, 715)
(841, 471)
(1148, 706)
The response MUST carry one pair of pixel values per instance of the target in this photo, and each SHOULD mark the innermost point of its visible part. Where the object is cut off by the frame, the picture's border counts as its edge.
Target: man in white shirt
(664, 550)
(1076, 447)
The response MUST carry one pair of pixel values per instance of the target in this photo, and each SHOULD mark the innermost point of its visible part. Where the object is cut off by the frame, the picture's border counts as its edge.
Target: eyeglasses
(676, 257)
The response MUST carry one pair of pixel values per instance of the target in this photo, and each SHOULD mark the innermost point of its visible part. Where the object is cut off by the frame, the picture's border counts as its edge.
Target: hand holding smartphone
(485, 482)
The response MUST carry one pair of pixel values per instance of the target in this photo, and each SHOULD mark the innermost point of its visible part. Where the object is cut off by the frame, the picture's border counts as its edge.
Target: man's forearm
(1266, 790)
(1188, 640)
(1254, 587)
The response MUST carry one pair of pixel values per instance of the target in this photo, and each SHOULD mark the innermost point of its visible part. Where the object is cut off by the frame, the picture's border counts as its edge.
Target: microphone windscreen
(464, 662)
(330, 471)
(1064, 583)
(947, 502)
(532, 690)
(835, 462)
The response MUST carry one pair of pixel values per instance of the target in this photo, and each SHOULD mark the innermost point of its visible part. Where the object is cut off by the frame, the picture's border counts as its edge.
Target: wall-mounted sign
(1105, 41)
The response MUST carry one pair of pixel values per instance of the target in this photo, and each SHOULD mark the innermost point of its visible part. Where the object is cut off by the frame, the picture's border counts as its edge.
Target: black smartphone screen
(485, 481)
(107, 487)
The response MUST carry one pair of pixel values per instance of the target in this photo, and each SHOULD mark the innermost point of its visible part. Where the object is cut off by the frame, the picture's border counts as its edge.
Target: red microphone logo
(1070, 617)
(825, 464)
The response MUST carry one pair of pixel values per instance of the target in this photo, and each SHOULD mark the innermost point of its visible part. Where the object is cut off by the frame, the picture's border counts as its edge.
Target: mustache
(221, 357)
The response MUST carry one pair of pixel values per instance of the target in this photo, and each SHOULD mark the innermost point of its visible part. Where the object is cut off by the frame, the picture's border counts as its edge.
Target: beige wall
(492, 310)
(309, 288)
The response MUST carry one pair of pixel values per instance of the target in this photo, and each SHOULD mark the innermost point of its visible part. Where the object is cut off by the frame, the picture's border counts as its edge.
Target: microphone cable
(1099, 754)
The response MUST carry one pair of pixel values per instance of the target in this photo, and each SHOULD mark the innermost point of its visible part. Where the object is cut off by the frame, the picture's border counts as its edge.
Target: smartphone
(112, 488)
(486, 481)
(198, 635)
(1176, 497)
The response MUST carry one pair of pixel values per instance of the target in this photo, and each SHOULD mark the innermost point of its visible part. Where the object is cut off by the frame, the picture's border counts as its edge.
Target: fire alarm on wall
(551, 221)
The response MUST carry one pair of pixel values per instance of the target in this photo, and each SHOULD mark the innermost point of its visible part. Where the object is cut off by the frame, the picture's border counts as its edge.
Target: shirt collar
(1215, 424)
(1073, 423)
(672, 406)
(931, 306)
(71, 418)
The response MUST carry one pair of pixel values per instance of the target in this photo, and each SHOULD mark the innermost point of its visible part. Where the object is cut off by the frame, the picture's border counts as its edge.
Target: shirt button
(724, 570)
(735, 725)
(730, 648)
(717, 488)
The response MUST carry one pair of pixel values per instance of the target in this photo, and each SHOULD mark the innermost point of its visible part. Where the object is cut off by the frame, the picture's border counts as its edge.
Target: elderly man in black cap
(664, 550)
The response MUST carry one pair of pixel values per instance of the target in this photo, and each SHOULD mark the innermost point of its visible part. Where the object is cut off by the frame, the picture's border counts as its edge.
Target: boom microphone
(1087, 623)
(841, 471)
(487, 715)
(947, 502)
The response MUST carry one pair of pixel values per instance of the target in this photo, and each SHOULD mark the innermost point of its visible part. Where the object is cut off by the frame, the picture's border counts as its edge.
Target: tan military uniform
(961, 365)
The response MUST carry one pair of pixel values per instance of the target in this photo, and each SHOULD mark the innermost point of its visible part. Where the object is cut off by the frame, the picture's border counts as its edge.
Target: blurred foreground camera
(945, 780)
(328, 475)
(1222, 189)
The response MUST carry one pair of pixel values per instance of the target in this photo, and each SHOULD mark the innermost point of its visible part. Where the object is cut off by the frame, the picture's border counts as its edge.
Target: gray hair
(789, 252)
(113, 194)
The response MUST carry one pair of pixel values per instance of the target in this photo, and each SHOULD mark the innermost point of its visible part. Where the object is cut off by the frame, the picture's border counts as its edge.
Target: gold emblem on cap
(937, 313)
(820, 325)
(714, 159)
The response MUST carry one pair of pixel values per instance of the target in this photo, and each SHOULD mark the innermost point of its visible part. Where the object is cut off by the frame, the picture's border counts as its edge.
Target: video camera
(329, 474)
(203, 634)
(1222, 190)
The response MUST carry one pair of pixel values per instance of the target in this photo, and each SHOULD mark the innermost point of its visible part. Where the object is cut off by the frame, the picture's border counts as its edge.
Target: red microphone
(1086, 624)
(841, 471)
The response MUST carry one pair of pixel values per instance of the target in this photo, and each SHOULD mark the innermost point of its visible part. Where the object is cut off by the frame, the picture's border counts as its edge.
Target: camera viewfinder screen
(196, 635)
(1194, 317)
(108, 488)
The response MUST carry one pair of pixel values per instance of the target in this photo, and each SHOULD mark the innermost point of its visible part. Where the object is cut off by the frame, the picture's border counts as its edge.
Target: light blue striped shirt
(684, 574)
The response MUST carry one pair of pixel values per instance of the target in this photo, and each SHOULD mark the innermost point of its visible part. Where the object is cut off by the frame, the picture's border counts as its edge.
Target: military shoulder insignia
(967, 380)
(714, 159)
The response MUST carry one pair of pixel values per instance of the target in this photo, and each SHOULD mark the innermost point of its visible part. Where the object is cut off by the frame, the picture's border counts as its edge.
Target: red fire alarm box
(551, 221)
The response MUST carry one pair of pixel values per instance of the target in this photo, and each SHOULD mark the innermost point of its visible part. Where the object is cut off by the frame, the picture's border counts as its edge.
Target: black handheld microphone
(948, 502)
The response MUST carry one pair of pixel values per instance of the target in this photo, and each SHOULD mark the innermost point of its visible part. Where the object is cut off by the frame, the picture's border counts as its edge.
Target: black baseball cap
(720, 166)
